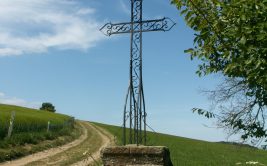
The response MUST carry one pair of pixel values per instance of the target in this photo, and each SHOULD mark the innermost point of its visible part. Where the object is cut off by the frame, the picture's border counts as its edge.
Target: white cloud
(84, 11)
(4, 99)
(2, 94)
(125, 8)
(36, 26)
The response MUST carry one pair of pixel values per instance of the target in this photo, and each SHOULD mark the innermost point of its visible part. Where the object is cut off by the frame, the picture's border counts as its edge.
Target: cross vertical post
(134, 108)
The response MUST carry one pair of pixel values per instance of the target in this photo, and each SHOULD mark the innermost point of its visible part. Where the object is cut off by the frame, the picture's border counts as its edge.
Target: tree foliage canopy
(231, 38)
(48, 107)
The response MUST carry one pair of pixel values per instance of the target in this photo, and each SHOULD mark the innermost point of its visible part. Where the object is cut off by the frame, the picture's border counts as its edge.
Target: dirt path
(47, 153)
(106, 141)
(44, 157)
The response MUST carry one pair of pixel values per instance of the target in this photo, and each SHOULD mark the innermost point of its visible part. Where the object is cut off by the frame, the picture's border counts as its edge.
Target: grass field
(189, 152)
(30, 127)
(29, 120)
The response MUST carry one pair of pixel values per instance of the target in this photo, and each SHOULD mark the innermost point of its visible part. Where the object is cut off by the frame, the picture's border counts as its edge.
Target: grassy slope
(189, 152)
(30, 131)
(29, 119)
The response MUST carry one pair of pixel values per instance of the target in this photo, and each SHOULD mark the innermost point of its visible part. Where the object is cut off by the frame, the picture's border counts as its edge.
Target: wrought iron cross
(134, 108)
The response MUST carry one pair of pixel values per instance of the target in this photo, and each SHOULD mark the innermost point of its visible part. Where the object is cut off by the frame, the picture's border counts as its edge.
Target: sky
(53, 51)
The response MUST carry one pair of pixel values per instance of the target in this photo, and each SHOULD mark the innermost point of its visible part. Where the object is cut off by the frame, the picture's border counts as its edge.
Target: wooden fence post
(48, 126)
(11, 124)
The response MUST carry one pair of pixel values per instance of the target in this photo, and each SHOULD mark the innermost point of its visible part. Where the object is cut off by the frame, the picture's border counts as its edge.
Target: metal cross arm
(164, 24)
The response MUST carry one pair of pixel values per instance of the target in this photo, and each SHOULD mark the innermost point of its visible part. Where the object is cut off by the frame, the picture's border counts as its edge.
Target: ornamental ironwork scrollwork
(137, 11)
(164, 24)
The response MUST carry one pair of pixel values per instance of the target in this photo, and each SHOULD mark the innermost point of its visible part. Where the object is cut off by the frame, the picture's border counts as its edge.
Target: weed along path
(83, 151)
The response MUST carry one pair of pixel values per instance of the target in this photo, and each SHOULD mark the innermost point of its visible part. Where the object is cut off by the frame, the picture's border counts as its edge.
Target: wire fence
(14, 125)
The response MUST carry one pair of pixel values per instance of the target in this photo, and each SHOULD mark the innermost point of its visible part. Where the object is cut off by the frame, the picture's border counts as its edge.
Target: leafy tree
(48, 107)
(231, 39)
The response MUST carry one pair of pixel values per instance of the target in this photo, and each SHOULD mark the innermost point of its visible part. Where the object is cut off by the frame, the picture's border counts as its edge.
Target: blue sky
(52, 51)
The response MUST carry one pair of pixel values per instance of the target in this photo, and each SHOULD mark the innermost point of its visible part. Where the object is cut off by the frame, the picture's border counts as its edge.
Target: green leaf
(190, 50)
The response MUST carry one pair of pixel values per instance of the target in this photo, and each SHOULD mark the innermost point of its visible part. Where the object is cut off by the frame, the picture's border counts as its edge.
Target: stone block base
(132, 155)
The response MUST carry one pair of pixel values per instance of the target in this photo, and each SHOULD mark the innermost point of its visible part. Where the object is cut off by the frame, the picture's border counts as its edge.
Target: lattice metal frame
(134, 108)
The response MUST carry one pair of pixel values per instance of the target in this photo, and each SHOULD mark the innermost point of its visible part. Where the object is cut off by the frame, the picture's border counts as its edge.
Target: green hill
(30, 135)
(190, 152)
(29, 120)
(30, 127)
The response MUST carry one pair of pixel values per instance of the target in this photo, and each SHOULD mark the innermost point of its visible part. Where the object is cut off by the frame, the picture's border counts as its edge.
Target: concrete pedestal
(132, 155)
